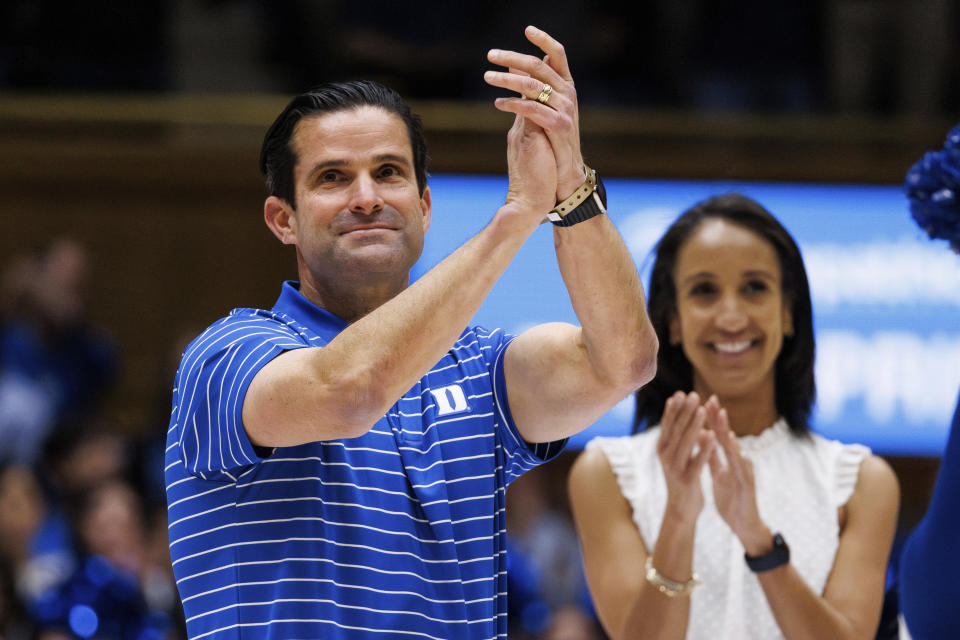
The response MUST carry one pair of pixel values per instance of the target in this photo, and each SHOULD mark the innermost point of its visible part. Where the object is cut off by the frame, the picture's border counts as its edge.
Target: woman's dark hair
(277, 157)
(795, 387)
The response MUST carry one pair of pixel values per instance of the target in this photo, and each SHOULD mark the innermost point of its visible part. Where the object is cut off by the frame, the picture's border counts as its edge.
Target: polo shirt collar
(294, 304)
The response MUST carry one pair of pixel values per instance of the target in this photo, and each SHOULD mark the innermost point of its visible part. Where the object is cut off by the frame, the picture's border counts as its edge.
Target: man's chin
(379, 259)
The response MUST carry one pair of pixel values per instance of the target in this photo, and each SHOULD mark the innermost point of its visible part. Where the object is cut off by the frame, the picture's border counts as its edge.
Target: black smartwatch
(777, 557)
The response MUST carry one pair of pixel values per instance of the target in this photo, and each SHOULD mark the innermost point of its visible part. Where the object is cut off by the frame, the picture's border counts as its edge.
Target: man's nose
(365, 196)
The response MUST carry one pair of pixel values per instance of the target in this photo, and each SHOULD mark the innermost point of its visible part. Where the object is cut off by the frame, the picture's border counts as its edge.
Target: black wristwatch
(777, 557)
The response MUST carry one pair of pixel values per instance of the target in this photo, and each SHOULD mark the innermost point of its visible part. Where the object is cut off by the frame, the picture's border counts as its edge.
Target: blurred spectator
(121, 534)
(157, 580)
(544, 534)
(545, 570)
(35, 540)
(55, 369)
(80, 459)
(116, 592)
(528, 614)
(114, 525)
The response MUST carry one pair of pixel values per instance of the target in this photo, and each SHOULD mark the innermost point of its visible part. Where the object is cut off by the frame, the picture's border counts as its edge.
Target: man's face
(359, 215)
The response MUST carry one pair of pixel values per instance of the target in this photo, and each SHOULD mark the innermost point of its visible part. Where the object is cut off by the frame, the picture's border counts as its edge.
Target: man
(336, 467)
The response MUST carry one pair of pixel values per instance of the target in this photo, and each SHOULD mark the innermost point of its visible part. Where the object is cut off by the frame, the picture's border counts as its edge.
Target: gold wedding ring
(545, 93)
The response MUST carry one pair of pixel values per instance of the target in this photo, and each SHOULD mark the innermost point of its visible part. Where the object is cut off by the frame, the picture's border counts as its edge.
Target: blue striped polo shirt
(399, 533)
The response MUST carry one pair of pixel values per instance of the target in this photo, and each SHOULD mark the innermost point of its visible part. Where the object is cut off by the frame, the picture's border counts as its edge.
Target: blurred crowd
(83, 543)
(548, 599)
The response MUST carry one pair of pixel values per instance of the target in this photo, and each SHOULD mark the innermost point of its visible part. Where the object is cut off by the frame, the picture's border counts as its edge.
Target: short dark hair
(795, 389)
(277, 156)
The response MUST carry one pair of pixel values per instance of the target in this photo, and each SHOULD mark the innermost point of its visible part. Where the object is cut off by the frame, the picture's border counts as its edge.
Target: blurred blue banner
(886, 299)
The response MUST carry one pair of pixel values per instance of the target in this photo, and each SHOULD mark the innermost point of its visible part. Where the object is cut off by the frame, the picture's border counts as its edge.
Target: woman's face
(731, 314)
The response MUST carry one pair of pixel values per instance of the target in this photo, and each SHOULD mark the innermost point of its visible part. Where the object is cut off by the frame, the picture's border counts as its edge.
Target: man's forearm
(561, 378)
(607, 297)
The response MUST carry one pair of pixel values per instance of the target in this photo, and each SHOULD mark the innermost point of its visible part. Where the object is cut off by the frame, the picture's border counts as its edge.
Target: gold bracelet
(669, 587)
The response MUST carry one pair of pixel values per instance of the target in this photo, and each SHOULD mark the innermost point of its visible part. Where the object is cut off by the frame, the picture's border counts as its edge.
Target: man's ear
(280, 218)
(426, 206)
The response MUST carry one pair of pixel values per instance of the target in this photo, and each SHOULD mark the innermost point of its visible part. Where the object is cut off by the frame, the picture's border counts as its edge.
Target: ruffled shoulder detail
(847, 470)
(624, 455)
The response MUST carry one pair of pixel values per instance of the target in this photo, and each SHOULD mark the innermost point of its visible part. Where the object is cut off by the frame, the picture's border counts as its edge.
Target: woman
(728, 466)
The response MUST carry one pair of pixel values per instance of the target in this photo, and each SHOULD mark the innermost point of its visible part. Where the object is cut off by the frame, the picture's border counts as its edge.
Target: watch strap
(589, 200)
(776, 557)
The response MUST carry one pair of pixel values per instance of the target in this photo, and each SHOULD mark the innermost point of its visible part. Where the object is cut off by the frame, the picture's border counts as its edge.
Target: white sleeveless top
(800, 483)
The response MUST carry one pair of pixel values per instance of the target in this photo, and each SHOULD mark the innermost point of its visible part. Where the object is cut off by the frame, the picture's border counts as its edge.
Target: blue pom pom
(953, 138)
(932, 185)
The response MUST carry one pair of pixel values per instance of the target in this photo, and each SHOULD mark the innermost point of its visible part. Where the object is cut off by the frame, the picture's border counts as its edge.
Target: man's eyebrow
(393, 157)
(326, 164)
